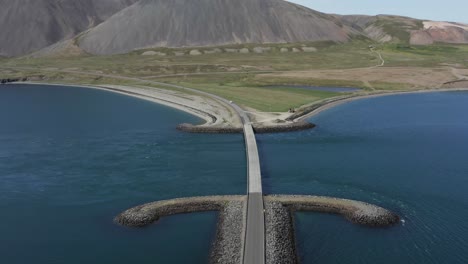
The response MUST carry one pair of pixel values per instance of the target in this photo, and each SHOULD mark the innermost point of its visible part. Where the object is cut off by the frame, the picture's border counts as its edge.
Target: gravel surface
(228, 246)
(280, 242)
(355, 211)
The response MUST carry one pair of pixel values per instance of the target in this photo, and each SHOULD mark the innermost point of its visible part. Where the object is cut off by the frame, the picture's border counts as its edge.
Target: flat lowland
(382, 77)
(246, 78)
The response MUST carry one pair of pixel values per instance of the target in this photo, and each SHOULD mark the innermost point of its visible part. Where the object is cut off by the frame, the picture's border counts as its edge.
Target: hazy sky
(444, 10)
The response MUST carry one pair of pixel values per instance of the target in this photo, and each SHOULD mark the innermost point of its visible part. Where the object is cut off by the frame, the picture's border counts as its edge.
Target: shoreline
(219, 120)
(315, 109)
(208, 118)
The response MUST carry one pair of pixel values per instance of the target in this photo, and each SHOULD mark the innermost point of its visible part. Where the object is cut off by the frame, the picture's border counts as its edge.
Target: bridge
(254, 239)
(254, 242)
(254, 225)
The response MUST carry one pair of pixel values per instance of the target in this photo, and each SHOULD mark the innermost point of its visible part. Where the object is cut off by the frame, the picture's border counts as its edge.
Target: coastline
(315, 109)
(155, 95)
(221, 119)
(218, 117)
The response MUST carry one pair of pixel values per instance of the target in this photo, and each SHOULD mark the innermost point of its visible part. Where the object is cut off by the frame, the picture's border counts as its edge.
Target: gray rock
(195, 52)
(258, 50)
(244, 50)
(153, 53)
(228, 244)
(231, 50)
(284, 50)
(149, 53)
(279, 235)
(213, 51)
(309, 49)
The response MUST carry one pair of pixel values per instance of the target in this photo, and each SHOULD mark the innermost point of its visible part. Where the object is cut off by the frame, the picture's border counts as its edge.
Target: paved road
(254, 245)
(254, 180)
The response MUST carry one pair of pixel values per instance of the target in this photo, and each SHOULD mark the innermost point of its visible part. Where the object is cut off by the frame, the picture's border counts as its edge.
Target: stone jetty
(258, 128)
(228, 245)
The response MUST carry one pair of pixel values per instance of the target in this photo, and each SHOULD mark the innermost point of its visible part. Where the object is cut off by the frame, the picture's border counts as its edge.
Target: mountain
(72, 27)
(383, 28)
(182, 23)
(448, 32)
(29, 25)
(387, 28)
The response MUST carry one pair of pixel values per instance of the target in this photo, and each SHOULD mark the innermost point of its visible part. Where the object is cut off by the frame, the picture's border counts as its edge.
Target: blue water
(73, 158)
(408, 153)
(319, 88)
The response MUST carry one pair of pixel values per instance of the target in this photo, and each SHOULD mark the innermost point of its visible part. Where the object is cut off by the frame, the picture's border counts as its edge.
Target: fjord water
(73, 158)
(408, 153)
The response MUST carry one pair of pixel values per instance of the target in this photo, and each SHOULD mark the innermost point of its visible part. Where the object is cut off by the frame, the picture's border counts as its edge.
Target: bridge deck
(254, 247)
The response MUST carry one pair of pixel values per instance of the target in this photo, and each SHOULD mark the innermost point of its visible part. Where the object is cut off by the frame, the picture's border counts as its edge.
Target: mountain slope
(177, 23)
(386, 28)
(440, 32)
(29, 25)
(50, 27)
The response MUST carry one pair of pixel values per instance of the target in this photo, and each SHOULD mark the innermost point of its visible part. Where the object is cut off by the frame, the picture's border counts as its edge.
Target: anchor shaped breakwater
(265, 222)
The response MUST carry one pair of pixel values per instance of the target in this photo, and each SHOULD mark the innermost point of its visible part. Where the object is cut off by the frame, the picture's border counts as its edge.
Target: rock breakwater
(258, 128)
(209, 129)
(279, 223)
(357, 212)
(228, 244)
(279, 213)
(284, 127)
(280, 243)
(12, 80)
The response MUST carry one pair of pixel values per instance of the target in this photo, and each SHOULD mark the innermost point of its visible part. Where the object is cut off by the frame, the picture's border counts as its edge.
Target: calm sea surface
(408, 153)
(73, 158)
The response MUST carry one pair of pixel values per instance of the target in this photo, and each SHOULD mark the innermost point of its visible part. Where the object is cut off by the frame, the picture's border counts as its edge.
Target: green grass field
(234, 75)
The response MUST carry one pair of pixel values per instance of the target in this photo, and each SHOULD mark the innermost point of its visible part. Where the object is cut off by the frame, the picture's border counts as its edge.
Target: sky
(440, 10)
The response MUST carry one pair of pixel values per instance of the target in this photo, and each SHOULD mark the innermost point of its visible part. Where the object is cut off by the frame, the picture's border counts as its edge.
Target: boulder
(309, 49)
(258, 50)
(149, 53)
(213, 51)
(153, 53)
(195, 52)
(231, 50)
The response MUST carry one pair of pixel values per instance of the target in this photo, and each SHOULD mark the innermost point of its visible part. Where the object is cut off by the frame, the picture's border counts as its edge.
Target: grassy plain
(243, 77)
